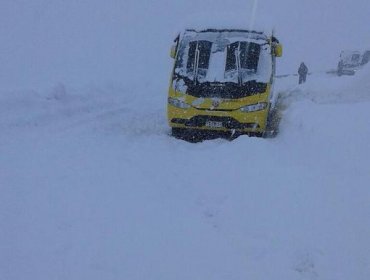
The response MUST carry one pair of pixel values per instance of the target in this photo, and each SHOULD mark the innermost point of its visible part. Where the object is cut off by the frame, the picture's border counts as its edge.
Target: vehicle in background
(351, 61)
(222, 81)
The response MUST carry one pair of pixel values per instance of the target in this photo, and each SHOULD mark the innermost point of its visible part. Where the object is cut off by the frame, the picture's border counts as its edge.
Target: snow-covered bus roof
(231, 35)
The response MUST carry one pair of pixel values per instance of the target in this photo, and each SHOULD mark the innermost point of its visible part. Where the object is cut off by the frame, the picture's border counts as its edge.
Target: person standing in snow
(302, 72)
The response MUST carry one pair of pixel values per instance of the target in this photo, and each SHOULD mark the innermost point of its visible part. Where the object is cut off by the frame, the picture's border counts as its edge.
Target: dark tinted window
(230, 56)
(204, 48)
(355, 58)
(249, 56)
(366, 57)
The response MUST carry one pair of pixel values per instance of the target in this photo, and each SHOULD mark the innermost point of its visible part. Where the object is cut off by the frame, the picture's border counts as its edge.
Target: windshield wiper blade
(196, 63)
(237, 60)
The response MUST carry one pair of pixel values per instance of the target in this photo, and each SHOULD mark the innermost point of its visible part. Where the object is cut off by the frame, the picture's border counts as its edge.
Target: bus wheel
(178, 132)
(188, 134)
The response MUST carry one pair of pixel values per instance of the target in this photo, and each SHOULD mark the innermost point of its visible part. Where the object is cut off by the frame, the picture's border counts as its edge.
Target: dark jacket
(303, 70)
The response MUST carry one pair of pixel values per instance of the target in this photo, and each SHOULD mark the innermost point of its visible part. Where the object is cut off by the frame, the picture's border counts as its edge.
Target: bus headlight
(254, 107)
(178, 103)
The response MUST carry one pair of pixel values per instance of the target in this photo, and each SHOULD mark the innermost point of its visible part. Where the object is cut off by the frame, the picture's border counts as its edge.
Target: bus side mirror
(173, 51)
(278, 50)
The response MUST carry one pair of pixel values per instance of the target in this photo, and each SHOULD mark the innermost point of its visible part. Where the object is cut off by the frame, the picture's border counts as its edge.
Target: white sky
(44, 42)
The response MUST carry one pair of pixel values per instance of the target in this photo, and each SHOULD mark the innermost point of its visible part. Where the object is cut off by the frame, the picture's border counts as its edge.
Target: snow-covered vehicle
(222, 81)
(349, 62)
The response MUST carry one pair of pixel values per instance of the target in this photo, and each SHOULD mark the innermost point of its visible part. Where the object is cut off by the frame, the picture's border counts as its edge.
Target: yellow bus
(221, 82)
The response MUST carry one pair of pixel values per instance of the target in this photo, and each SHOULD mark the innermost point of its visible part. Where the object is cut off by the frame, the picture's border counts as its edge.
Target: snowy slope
(92, 186)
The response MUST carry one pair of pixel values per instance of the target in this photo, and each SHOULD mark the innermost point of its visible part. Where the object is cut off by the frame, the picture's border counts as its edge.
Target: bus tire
(178, 132)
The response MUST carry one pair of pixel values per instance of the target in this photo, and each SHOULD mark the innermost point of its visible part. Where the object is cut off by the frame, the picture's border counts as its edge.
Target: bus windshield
(220, 58)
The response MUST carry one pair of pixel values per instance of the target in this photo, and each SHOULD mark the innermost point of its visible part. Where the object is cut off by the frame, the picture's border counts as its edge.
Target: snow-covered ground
(93, 187)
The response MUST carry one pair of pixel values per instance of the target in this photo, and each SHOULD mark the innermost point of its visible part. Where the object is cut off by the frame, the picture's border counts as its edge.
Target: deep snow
(92, 186)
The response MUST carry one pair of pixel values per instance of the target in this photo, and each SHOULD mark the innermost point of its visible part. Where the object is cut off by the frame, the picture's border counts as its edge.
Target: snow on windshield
(224, 56)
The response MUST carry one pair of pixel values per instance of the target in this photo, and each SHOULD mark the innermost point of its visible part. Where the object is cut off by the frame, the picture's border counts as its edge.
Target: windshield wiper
(237, 60)
(196, 63)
